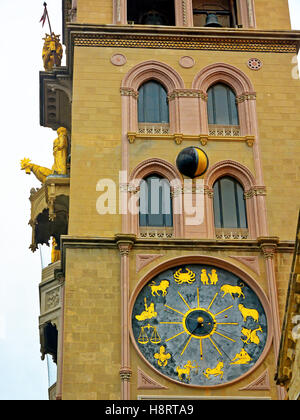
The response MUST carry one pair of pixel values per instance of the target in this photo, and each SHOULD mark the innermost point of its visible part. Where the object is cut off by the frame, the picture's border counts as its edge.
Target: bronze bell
(212, 21)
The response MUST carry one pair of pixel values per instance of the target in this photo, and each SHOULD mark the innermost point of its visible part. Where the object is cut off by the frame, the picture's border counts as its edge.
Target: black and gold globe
(192, 162)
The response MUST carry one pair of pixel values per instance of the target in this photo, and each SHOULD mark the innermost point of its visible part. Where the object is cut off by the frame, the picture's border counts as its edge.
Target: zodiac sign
(186, 370)
(218, 370)
(241, 358)
(213, 277)
(148, 313)
(251, 335)
(204, 277)
(232, 290)
(164, 284)
(162, 357)
(188, 277)
(143, 337)
(253, 313)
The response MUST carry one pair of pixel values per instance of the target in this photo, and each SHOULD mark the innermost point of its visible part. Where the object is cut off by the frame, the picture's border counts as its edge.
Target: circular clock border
(217, 262)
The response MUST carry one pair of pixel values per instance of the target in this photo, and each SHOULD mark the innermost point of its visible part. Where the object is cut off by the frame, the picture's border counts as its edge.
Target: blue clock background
(199, 325)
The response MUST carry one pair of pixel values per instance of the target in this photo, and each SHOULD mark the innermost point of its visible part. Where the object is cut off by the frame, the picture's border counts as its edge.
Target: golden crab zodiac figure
(188, 277)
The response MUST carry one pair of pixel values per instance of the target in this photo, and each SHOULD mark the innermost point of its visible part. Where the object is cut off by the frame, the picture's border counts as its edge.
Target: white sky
(23, 376)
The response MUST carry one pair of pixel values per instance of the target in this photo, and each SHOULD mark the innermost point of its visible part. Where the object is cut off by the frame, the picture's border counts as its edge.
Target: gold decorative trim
(129, 92)
(255, 191)
(251, 96)
(178, 138)
(187, 93)
(184, 42)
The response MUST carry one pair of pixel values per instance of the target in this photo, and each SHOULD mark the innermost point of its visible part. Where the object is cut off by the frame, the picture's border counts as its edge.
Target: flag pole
(46, 10)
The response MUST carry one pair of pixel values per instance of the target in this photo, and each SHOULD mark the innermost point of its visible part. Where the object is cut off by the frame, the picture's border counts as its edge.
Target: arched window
(153, 103)
(229, 204)
(155, 202)
(221, 105)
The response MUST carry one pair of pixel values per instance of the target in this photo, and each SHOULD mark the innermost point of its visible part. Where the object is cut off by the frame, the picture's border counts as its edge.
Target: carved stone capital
(125, 243)
(125, 374)
(268, 245)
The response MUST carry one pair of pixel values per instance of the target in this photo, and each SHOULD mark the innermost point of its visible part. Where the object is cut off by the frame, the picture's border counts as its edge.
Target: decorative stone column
(125, 243)
(268, 246)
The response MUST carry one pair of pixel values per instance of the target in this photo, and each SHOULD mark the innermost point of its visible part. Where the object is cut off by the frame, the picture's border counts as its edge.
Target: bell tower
(172, 205)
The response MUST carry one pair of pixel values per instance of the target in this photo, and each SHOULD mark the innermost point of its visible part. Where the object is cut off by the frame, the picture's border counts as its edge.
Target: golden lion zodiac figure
(162, 287)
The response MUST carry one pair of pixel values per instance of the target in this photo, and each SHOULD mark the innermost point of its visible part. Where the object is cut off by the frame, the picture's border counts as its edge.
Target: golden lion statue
(52, 51)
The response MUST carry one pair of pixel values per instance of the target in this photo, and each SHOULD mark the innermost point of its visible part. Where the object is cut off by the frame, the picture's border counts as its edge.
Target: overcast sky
(22, 373)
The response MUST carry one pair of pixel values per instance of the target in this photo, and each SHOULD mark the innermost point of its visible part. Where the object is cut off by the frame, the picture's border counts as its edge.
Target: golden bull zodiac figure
(232, 290)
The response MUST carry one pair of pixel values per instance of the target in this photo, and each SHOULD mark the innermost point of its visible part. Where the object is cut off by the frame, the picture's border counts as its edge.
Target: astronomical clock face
(199, 325)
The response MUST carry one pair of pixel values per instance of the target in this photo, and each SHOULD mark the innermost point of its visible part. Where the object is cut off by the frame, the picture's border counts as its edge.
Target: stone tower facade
(188, 302)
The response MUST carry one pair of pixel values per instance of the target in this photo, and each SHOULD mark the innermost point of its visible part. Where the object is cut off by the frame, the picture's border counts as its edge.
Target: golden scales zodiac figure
(143, 336)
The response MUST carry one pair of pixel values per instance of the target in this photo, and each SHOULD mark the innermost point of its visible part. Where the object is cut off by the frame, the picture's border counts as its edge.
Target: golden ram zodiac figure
(247, 312)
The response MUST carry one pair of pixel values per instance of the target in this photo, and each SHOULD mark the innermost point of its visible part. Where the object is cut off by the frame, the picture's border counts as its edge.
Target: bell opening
(151, 12)
(212, 21)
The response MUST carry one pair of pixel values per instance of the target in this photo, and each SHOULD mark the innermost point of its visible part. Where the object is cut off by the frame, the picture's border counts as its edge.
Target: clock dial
(199, 325)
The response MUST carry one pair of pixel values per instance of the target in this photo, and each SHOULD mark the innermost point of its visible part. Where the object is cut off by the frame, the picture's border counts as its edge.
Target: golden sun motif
(199, 323)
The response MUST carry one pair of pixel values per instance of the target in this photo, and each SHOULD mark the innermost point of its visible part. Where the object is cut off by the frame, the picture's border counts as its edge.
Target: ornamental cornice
(138, 36)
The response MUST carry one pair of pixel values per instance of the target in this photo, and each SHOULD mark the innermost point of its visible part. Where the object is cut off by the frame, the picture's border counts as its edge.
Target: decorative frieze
(187, 42)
